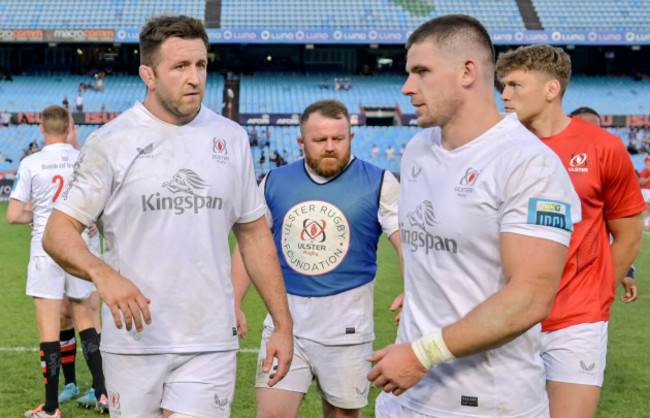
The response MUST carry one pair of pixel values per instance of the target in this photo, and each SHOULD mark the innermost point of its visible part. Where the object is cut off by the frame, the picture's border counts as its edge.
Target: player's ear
(40, 127)
(351, 136)
(147, 75)
(552, 89)
(301, 141)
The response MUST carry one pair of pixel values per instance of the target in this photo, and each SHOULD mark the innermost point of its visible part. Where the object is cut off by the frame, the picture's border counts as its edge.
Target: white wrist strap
(431, 350)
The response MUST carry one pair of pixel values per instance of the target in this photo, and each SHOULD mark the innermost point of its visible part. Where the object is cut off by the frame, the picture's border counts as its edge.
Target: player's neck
(54, 140)
(469, 125)
(550, 122)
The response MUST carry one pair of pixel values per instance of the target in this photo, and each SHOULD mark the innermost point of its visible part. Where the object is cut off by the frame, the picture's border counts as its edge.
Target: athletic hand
(631, 290)
(121, 295)
(397, 304)
(397, 369)
(92, 230)
(280, 346)
(241, 322)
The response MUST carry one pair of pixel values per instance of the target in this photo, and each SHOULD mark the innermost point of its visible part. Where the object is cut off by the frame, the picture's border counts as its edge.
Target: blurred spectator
(262, 159)
(274, 157)
(374, 151)
(390, 153)
(5, 118)
(347, 84)
(99, 82)
(79, 103)
(252, 137)
(65, 103)
(324, 85)
(644, 175)
(266, 141)
(82, 87)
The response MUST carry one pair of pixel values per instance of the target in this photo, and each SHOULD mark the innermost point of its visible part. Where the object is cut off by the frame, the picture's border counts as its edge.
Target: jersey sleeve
(90, 186)
(621, 190)
(252, 206)
(22, 187)
(388, 198)
(262, 188)
(540, 201)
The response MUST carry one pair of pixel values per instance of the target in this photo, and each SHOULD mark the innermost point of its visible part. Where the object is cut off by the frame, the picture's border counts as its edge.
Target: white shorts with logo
(339, 370)
(576, 354)
(195, 384)
(386, 406)
(46, 279)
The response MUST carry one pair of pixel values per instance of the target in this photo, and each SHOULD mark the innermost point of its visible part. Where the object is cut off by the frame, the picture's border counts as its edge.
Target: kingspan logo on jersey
(578, 163)
(315, 237)
(190, 193)
(423, 217)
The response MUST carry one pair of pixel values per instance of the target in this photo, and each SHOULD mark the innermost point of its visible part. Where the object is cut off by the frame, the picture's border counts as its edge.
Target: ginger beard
(328, 163)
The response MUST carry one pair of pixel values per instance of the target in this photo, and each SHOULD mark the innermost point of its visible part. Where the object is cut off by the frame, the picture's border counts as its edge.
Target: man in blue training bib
(327, 213)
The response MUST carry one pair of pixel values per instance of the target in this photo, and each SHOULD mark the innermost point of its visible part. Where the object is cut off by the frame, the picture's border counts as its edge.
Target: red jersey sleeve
(621, 190)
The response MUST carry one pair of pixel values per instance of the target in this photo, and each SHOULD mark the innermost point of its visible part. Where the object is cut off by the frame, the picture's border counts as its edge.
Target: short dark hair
(55, 120)
(584, 109)
(158, 29)
(329, 108)
(448, 30)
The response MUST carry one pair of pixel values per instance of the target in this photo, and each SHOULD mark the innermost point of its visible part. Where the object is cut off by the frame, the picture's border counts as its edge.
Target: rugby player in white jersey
(486, 213)
(41, 179)
(67, 334)
(166, 181)
(327, 212)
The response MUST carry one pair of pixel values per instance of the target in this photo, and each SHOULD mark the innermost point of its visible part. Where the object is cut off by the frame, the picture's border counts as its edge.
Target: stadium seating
(370, 14)
(593, 14)
(255, 14)
(34, 93)
(96, 14)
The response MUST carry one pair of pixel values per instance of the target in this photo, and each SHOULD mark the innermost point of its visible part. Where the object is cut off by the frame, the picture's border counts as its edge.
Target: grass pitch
(624, 394)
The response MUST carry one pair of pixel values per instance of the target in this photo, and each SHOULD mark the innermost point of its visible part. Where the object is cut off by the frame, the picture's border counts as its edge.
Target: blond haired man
(574, 338)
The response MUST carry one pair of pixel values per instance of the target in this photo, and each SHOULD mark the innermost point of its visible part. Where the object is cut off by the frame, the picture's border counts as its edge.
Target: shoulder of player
(210, 117)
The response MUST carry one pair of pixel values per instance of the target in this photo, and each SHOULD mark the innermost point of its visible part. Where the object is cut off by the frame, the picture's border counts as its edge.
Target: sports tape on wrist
(431, 350)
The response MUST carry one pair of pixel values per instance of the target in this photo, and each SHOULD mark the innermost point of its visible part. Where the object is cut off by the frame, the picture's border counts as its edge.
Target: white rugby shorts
(195, 384)
(576, 354)
(339, 370)
(46, 279)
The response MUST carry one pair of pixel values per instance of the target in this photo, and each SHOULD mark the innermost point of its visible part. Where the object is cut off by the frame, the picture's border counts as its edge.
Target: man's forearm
(63, 242)
(261, 262)
(627, 235)
(240, 280)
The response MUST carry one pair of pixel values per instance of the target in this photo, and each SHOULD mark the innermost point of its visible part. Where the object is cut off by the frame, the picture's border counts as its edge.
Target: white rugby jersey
(319, 318)
(165, 198)
(453, 206)
(41, 179)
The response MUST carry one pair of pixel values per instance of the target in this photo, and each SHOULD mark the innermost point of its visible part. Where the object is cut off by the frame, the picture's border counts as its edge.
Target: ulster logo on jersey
(219, 150)
(466, 183)
(315, 237)
(189, 193)
(578, 163)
